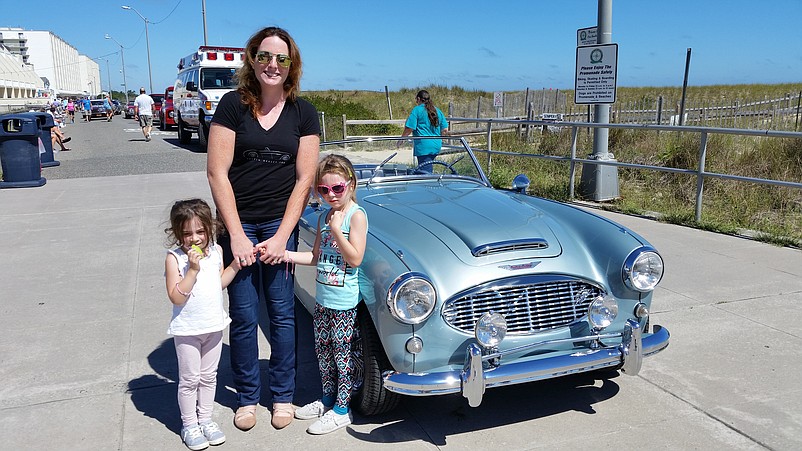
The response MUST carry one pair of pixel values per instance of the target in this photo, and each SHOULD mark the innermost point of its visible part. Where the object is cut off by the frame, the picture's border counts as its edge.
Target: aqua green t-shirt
(418, 121)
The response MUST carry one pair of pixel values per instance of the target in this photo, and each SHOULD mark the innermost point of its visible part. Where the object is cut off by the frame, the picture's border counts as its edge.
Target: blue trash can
(19, 151)
(46, 123)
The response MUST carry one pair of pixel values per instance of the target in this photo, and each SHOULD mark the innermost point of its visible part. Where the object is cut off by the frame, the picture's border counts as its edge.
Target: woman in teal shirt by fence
(426, 120)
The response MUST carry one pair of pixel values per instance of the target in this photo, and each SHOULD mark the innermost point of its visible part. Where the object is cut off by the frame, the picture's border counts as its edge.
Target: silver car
(465, 287)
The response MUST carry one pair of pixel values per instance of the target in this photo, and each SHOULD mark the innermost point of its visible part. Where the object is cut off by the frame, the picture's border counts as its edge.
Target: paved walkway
(85, 362)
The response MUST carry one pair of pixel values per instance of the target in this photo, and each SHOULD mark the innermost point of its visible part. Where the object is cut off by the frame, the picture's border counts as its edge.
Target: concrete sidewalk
(85, 362)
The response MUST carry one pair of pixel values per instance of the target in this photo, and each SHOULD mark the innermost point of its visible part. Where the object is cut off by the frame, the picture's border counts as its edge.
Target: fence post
(700, 178)
(798, 99)
(323, 124)
(572, 169)
(345, 132)
(478, 109)
(659, 111)
(489, 143)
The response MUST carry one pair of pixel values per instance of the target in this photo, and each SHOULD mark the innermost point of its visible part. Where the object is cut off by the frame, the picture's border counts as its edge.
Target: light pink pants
(198, 356)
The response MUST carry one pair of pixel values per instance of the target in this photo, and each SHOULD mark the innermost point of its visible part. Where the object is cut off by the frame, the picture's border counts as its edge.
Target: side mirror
(191, 86)
(520, 183)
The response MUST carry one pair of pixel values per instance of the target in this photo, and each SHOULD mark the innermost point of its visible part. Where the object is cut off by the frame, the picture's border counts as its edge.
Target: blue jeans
(251, 284)
(425, 159)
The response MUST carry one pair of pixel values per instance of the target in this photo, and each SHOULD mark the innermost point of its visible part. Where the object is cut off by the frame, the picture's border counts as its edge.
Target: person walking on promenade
(143, 112)
(338, 251)
(195, 278)
(71, 110)
(109, 106)
(425, 120)
(87, 104)
(262, 153)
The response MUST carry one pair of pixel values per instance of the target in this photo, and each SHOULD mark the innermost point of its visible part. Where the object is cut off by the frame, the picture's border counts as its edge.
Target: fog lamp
(414, 345)
(602, 311)
(490, 329)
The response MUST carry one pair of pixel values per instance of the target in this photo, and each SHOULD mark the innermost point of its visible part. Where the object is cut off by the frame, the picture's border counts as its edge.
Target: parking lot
(86, 362)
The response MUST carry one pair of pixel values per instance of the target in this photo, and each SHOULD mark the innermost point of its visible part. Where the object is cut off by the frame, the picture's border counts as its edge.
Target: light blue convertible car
(465, 287)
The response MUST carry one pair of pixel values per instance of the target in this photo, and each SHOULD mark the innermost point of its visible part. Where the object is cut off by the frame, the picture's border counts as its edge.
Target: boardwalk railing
(523, 126)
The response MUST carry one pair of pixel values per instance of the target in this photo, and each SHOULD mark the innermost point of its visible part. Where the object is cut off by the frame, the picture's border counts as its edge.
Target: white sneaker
(330, 422)
(193, 437)
(311, 411)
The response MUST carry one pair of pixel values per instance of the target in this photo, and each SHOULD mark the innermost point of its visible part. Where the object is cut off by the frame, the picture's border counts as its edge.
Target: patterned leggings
(334, 330)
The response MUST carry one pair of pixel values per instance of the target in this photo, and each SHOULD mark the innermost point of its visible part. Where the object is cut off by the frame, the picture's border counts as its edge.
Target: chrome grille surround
(530, 304)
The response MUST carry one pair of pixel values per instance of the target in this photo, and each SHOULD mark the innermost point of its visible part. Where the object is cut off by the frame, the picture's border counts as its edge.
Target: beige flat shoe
(283, 413)
(245, 418)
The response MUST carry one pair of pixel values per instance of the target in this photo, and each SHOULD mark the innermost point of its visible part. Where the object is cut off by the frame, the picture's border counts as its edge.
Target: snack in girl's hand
(197, 249)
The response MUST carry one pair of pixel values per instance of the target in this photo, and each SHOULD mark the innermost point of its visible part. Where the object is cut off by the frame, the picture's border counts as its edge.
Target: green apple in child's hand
(197, 249)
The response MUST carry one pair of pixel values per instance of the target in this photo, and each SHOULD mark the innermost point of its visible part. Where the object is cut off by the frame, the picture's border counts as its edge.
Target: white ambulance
(203, 77)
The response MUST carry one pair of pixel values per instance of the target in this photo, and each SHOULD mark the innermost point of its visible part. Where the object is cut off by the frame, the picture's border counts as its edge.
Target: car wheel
(370, 398)
(203, 133)
(184, 136)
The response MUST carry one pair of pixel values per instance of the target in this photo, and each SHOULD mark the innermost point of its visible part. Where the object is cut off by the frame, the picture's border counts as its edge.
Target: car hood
(472, 221)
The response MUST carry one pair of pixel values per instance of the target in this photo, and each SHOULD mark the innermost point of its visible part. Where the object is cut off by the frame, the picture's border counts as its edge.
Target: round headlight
(491, 329)
(411, 298)
(643, 269)
(602, 311)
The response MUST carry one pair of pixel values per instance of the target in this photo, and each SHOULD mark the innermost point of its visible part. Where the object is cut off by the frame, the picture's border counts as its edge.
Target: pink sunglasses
(337, 188)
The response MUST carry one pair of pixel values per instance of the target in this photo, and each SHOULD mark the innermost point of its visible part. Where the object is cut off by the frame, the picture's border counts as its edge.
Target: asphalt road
(85, 362)
(101, 148)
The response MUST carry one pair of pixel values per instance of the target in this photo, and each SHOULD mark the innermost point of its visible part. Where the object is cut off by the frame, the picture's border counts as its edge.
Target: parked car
(166, 114)
(98, 108)
(464, 287)
(130, 110)
(158, 100)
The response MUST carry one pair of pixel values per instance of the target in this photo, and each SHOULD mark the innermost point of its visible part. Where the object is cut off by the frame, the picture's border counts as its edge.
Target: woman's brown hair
(247, 83)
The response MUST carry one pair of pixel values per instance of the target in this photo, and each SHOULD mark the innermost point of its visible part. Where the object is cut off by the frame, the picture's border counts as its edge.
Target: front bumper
(479, 374)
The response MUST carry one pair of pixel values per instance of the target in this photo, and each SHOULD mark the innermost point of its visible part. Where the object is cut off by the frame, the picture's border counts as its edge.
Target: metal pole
(125, 83)
(203, 11)
(684, 87)
(147, 42)
(389, 107)
(600, 182)
(108, 75)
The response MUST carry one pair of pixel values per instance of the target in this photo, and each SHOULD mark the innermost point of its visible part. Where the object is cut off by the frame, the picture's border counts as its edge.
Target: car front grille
(529, 304)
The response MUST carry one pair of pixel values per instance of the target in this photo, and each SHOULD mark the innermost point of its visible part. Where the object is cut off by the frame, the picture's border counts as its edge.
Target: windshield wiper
(381, 165)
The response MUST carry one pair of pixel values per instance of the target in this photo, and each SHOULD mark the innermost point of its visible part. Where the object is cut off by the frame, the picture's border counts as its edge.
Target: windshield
(391, 158)
(218, 78)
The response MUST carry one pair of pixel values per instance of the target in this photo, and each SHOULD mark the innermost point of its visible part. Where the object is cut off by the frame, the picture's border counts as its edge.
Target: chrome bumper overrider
(480, 373)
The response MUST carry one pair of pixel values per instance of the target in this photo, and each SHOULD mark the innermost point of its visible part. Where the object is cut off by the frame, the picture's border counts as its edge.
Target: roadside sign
(586, 36)
(498, 99)
(596, 72)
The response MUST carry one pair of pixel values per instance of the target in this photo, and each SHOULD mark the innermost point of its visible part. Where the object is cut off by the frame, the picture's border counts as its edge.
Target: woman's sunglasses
(337, 188)
(265, 58)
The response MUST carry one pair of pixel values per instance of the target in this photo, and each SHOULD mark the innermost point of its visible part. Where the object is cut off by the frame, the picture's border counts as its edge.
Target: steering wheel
(418, 169)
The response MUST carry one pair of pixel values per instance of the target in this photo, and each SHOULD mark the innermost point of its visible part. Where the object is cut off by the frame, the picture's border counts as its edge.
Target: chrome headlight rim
(397, 290)
(631, 264)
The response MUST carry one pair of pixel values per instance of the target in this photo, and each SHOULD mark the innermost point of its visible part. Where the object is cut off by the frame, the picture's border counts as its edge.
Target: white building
(62, 69)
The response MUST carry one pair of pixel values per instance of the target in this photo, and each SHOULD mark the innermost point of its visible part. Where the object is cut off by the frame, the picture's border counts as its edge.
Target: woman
(262, 155)
(425, 120)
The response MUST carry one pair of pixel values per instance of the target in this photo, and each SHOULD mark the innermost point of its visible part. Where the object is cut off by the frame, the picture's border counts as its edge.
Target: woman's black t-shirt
(262, 172)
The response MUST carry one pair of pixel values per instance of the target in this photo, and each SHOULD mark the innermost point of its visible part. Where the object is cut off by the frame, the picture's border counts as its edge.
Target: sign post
(498, 102)
(596, 73)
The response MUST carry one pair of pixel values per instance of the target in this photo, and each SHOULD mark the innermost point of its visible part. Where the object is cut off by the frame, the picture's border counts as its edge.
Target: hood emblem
(519, 266)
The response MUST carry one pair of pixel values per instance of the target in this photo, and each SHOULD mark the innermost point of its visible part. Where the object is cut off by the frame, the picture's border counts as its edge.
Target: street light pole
(108, 75)
(147, 42)
(122, 55)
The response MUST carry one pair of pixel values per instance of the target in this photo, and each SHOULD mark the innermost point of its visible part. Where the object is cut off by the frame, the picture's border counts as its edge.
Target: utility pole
(203, 12)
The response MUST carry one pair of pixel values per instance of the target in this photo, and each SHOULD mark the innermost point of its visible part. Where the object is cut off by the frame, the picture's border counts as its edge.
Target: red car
(158, 99)
(166, 113)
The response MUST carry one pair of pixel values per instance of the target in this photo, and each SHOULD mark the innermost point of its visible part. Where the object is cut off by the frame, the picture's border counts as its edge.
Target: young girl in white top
(195, 279)
(338, 251)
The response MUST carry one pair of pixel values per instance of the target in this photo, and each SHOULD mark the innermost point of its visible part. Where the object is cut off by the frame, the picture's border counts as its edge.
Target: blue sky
(476, 45)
